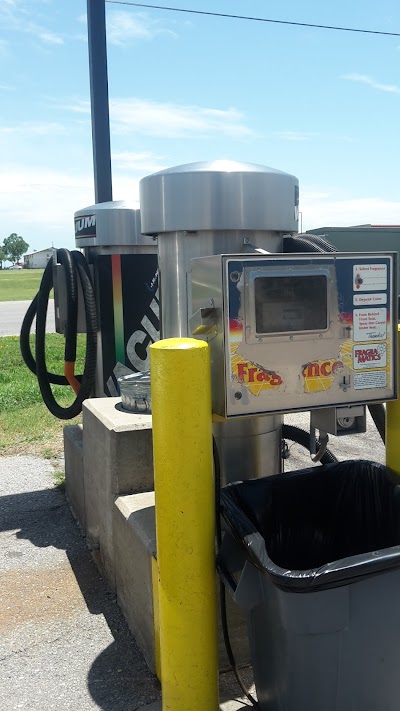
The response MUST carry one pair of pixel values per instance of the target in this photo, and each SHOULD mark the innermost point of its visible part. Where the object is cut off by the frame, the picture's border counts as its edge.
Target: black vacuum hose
(319, 241)
(296, 434)
(25, 345)
(75, 267)
(299, 244)
(222, 591)
(378, 414)
(315, 243)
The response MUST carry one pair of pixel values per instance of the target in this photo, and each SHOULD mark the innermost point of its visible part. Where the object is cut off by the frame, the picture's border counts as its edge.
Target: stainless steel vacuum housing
(212, 208)
(108, 224)
(219, 195)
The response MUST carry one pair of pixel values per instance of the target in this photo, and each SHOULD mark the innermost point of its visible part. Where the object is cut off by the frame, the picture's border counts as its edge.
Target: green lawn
(26, 426)
(19, 284)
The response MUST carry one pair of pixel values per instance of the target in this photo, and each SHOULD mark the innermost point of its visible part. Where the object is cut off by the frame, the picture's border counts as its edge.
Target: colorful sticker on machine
(253, 376)
(366, 357)
(319, 375)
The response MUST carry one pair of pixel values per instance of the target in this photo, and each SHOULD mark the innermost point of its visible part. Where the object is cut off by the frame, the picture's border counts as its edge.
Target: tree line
(12, 249)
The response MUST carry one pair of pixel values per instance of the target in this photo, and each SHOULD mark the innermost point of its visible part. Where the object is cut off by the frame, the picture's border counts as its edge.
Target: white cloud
(296, 135)
(80, 106)
(167, 120)
(174, 120)
(40, 203)
(15, 16)
(35, 128)
(50, 38)
(137, 162)
(370, 81)
(309, 136)
(41, 197)
(125, 27)
(309, 194)
(324, 210)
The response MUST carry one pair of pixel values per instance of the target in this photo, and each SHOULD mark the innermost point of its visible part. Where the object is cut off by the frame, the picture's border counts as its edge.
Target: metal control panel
(297, 331)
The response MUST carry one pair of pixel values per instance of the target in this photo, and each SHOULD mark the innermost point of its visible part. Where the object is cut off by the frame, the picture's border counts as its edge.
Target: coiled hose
(315, 243)
(75, 268)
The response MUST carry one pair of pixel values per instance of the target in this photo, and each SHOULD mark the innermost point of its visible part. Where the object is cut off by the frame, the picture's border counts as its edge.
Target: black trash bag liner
(312, 517)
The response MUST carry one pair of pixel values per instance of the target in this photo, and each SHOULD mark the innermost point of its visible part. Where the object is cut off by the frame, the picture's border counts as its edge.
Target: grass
(59, 479)
(26, 426)
(19, 284)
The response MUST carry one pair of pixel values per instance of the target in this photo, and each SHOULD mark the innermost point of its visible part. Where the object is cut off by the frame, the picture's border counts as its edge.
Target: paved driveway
(12, 314)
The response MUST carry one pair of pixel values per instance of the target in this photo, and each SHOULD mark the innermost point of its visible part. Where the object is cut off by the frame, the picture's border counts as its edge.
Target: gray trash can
(314, 558)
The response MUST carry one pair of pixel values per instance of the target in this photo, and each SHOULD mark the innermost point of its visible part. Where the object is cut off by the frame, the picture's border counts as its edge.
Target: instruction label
(369, 277)
(369, 324)
(365, 381)
(368, 357)
(369, 299)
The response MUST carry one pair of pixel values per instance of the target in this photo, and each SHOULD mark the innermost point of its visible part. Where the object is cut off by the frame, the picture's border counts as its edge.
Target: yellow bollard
(393, 427)
(185, 523)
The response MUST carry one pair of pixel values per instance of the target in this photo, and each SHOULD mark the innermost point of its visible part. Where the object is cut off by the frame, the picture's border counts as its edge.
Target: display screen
(291, 303)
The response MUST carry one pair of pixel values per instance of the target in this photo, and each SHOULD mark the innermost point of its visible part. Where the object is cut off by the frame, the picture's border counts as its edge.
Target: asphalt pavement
(12, 314)
(64, 644)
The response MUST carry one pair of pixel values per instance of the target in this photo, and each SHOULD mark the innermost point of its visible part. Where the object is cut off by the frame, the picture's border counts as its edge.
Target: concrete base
(117, 460)
(135, 541)
(135, 546)
(109, 475)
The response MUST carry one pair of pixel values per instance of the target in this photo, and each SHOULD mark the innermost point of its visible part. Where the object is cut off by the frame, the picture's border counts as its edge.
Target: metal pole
(96, 20)
(393, 429)
(185, 523)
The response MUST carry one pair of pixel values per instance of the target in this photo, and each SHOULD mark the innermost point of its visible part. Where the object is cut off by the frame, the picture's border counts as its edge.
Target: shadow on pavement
(118, 678)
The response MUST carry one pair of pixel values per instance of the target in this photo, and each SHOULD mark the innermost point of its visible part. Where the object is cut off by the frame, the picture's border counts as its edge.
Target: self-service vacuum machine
(124, 263)
(213, 208)
(292, 326)
(107, 289)
(301, 331)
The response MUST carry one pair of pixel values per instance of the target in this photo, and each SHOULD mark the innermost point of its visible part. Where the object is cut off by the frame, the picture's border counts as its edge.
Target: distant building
(38, 259)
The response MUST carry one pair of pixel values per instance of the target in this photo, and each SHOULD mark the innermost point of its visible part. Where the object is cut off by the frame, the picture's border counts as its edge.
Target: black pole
(96, 20)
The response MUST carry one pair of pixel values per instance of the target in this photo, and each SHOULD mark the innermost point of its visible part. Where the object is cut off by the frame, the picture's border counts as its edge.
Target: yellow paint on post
(185, 523)
(156, 617)
(393, 427)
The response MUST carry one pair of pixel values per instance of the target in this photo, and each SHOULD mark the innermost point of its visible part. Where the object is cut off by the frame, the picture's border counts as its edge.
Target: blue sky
(322, 105)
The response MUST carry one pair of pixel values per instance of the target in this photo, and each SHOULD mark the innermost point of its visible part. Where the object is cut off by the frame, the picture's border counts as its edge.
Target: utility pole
(96, 21)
